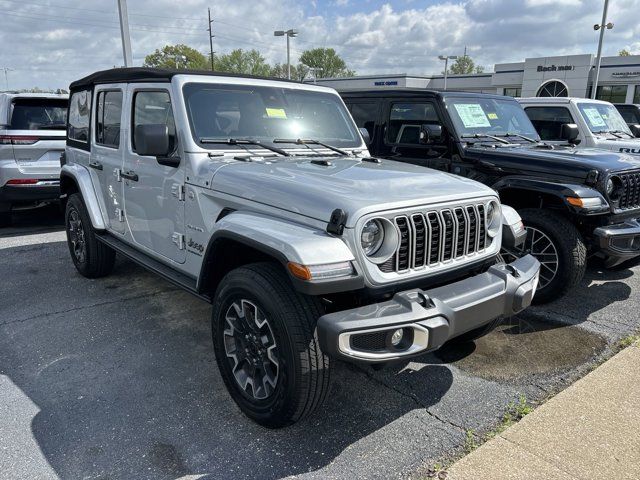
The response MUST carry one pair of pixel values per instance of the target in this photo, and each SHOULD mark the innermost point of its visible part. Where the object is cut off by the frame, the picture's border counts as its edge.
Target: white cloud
(49, 47)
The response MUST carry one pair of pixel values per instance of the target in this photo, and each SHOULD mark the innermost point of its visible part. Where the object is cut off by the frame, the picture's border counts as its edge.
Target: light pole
(124, 32)
(446, 59)
(288, 33)
(6, 75)
(602, 27)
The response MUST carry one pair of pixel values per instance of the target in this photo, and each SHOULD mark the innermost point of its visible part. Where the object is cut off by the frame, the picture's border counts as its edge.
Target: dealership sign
(554, 68)
(625, 74)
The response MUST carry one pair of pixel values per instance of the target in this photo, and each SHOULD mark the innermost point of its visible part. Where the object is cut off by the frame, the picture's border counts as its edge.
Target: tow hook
(512, 270)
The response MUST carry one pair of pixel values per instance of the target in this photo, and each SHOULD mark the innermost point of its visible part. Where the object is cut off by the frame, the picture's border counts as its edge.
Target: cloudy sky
(49, 43)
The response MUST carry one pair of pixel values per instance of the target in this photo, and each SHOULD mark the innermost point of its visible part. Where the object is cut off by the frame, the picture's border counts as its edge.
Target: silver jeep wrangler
(260, 197)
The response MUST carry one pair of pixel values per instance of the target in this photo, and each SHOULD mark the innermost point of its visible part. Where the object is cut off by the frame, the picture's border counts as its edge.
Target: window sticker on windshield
(594, 117)
(492, 116)
(472, 115)
(276, 113)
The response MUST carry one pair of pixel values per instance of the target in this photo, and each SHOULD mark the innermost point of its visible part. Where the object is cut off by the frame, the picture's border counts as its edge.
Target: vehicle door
(548, 121)
(366, 114)
(154, 193)
(402, 121)
(106, 157)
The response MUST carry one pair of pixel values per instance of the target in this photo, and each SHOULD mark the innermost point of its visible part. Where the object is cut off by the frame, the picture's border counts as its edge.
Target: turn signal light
(299, 271)
(320, 272)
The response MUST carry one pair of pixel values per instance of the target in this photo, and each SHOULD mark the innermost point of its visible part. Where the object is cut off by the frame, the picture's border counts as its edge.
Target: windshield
(489, 116)
(603, 118)
(39, 114)
(220, 112)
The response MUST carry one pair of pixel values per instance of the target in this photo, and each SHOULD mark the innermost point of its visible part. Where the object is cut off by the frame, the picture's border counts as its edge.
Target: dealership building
(566, 76)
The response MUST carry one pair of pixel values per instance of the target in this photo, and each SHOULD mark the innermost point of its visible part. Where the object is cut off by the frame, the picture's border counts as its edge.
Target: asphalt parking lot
(116, 378)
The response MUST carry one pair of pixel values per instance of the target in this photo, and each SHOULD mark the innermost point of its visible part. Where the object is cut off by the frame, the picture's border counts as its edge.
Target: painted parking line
(36, 239)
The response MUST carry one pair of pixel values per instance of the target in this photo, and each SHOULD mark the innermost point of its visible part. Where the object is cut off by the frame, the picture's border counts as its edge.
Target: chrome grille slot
(433, 238)
(631, 191)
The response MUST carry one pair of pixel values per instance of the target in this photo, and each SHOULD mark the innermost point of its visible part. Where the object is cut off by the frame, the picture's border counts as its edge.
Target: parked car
(573, 202)
(630, 113)
(599, 124)
(260, 197)
(32, 137)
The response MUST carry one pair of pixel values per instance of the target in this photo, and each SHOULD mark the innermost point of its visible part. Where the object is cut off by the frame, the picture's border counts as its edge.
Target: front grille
(631, 191)
(434, 237)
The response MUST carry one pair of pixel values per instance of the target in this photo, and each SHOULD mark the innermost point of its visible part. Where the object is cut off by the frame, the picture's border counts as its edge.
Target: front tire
(559, 248)
(90, 257)
(266, 346)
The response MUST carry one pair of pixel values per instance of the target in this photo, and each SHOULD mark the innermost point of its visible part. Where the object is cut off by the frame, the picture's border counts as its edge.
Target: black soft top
(144, 74)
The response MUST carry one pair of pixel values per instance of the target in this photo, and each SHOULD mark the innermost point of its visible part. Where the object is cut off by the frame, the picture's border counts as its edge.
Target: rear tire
(557, 276)
(5, 216)
(266, 347)
(91, 258)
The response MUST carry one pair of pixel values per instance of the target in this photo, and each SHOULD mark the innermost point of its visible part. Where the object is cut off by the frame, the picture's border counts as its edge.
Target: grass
(627, 341)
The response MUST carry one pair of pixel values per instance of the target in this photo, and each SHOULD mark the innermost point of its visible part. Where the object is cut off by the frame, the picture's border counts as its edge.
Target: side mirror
(365, 136)
(635, 129)
(430, 134)
(152, 140)
(570, 133)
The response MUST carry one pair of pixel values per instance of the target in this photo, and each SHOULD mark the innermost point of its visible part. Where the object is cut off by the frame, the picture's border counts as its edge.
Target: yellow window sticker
(492, 116)
(276, 113)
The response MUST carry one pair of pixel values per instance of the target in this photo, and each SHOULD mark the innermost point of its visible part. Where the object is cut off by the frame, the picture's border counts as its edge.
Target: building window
(553, 89)
(636, 94)
(513, 92)
(612, 93)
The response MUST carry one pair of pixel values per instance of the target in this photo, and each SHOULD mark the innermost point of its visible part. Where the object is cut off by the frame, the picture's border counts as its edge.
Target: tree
(248, 62)
(465, 65)
(327, 62)
(177, 56)
(624, 53)
(298, 72)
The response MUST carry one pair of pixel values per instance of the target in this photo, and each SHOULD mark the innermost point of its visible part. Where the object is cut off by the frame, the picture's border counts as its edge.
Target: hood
(355, 186)
(622, 145)
(563, 160)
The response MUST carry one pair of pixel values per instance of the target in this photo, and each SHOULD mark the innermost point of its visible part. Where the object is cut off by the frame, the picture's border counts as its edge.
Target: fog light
(396, 338)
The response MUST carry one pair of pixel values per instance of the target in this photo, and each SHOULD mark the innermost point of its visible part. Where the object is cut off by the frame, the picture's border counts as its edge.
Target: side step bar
(183, 281)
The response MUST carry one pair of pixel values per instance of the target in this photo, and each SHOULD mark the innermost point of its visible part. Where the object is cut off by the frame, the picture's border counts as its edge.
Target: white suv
(586, 123)
(32, 138)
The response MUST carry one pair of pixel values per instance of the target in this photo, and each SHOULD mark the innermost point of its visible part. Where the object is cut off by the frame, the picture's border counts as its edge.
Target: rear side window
(153, 108)
(630, 114)
(405, 120)
(365, 116)
(38, 114)
(108, 116)
(549, 120)
(79, 112)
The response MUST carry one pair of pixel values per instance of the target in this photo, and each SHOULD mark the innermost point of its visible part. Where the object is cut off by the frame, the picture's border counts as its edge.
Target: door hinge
(177, 191)
(178, 239)
(120, 214)
(117, 173)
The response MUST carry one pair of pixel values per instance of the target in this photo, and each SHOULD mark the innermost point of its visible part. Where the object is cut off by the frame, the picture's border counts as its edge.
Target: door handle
(96, 165)
(130, 176)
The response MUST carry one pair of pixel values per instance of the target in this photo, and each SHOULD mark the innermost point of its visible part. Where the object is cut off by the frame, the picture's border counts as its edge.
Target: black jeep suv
(574, 202)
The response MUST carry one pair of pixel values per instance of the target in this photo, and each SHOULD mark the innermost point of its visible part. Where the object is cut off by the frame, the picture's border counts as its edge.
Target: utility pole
(602, 27)
(211, 39)
(124, 32)
(6, 75)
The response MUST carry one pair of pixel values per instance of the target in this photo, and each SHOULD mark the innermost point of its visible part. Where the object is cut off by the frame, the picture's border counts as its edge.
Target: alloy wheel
(540, 246)
(76, 236)
(250, 348)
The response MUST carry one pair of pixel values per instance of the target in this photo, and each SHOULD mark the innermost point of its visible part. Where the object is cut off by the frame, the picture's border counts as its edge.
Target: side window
(108, 114)
(405, 120)
(630, 114)
(548, 121)
(79, 110)
(153, 108)
(365, 115)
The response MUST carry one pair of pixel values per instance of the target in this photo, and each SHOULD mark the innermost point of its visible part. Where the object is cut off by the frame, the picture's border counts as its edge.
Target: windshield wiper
(484, 135)
(528, 139)
(615, 133)
(310, 141)
(244, 141)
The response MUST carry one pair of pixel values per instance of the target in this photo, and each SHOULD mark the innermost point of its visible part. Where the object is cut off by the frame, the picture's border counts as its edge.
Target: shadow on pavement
(47, 218)
(130, 389)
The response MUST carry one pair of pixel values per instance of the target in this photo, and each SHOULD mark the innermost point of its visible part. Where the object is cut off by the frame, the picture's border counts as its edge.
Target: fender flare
(284, 241)
(81, 177)
(559, 190)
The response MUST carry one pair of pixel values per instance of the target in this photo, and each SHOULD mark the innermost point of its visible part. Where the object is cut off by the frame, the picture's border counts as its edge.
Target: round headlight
(372, 237)
(610, 186)
(614, 187)
(494, 218)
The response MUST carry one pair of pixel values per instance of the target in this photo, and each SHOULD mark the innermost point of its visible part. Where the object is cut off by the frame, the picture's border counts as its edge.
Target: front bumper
(618, 242)
(428, 317)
